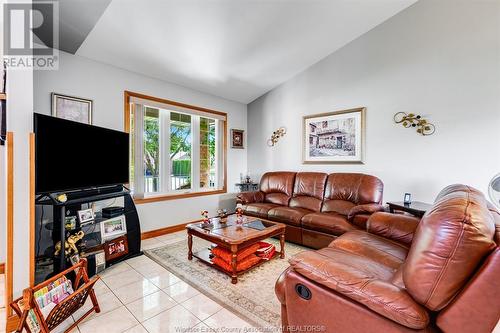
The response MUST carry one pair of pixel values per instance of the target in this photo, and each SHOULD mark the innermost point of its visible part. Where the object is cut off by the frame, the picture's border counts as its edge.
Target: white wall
(19, 121)
(440, 59)
(105, 85)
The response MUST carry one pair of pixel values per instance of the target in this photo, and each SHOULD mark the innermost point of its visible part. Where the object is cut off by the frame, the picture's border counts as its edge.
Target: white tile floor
(139, 295)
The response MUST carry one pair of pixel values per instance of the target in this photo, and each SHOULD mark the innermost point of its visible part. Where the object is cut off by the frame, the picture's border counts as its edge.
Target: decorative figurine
(206, 219)
(239, 210)
(239, 214)
(221, 212)
(62, 198)
(69, 244)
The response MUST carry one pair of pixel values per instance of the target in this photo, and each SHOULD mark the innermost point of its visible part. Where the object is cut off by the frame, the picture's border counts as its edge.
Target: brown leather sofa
(402, 275)
(316, 207)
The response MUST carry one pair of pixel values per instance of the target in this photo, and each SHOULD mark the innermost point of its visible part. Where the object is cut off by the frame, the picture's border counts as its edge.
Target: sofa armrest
(397, 227)
(360, 280)
(364, 209)
(250, 197)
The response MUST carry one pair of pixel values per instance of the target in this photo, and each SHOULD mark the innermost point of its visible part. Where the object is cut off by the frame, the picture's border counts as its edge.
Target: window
(176, 150)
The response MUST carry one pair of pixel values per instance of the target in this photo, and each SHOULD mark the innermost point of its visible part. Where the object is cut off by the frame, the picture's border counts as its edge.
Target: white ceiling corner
(235, 49)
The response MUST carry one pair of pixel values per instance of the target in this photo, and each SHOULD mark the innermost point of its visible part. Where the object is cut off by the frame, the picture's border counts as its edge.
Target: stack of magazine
(266, 251)
(47, 298)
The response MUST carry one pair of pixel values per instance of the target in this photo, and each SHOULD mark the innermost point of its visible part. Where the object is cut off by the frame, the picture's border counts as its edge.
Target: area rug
(253, 297)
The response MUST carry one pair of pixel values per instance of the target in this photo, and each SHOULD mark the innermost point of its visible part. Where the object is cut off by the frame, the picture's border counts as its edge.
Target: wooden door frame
(9, 265)
(12, 319)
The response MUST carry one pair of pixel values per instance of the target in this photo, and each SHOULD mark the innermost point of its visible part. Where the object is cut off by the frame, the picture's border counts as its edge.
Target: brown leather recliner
(316, 207)
(402, 275)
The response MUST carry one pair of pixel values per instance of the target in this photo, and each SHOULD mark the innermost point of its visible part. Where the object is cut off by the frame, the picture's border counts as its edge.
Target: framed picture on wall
(237, 137)
(334, 137)
(72, 108)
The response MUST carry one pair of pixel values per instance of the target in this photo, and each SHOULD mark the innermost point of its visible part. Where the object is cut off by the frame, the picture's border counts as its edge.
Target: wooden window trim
(126, 117)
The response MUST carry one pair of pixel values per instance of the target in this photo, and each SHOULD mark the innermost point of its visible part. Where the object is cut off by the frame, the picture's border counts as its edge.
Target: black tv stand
(74, 202)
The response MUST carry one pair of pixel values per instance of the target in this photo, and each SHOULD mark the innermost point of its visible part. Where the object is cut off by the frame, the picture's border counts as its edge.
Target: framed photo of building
(72, 108)
(334, 137)
(237, 138)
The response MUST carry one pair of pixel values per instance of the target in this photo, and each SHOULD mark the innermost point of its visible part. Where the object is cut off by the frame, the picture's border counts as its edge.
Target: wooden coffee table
(229, 235)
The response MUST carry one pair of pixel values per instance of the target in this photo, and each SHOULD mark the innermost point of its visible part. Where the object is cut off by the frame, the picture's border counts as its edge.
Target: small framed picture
(113, 227)
(74, 259)
(116, 248)
(237, 138)
(85, 215)
(72, 108)
(407, 199)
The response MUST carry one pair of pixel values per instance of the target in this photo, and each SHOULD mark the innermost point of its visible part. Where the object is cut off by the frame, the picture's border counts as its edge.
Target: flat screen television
(70, 155)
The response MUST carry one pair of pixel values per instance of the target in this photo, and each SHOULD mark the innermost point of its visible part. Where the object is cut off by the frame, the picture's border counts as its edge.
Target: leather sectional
(438, 274)
(316, 207)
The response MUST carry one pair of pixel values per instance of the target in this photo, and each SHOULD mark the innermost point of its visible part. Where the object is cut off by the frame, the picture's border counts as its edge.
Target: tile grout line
(175, 302)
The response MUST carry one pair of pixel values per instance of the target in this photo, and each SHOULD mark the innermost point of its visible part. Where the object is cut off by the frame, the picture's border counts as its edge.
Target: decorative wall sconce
(415, 120)
(276, 136)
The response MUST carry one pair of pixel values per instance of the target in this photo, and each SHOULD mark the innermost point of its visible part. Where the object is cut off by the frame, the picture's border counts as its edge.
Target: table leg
(282, 246)
(234, 275)
(190, 246)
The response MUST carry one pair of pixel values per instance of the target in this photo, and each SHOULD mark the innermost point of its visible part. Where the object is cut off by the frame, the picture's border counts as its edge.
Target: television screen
(71, 155)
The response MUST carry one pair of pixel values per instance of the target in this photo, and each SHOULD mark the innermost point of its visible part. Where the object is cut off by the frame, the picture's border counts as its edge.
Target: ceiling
(235, 49)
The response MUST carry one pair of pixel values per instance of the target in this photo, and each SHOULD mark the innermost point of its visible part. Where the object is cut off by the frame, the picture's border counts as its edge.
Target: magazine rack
(83, 287)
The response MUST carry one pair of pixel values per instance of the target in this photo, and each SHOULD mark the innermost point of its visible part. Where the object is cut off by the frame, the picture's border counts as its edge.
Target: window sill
(166, 197)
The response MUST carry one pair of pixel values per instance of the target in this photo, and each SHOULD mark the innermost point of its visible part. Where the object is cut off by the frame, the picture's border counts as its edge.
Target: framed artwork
(334, 137)
(85, 215)
(237, 137)
(72, 108)
(115, 248)
(113, 227)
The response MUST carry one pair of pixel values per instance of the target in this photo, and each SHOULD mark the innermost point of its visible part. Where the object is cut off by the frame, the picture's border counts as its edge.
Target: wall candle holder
(280, 132)
(414, 120)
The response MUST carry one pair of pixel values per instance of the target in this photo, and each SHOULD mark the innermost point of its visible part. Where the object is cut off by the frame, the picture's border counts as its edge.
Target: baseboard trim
(2, 268)
(166, 230)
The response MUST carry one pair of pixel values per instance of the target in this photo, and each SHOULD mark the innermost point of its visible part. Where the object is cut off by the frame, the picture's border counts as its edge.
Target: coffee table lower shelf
(204, 256)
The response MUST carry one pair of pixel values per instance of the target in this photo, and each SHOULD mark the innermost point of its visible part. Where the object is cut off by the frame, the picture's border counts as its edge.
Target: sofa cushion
(337, 206)
(258, 209)
(360, 220)
(450, 242)
(343, 191)
(363, 280)
(277, 187)
(378, 249)
(308, 190)
(288, 215)
(330, 223)
(357, 188)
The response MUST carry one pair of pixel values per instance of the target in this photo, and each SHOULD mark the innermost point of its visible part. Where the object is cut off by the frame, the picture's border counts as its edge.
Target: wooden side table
(416, 208)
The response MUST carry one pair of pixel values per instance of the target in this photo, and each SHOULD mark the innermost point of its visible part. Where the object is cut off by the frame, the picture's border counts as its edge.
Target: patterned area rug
(252, 297)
